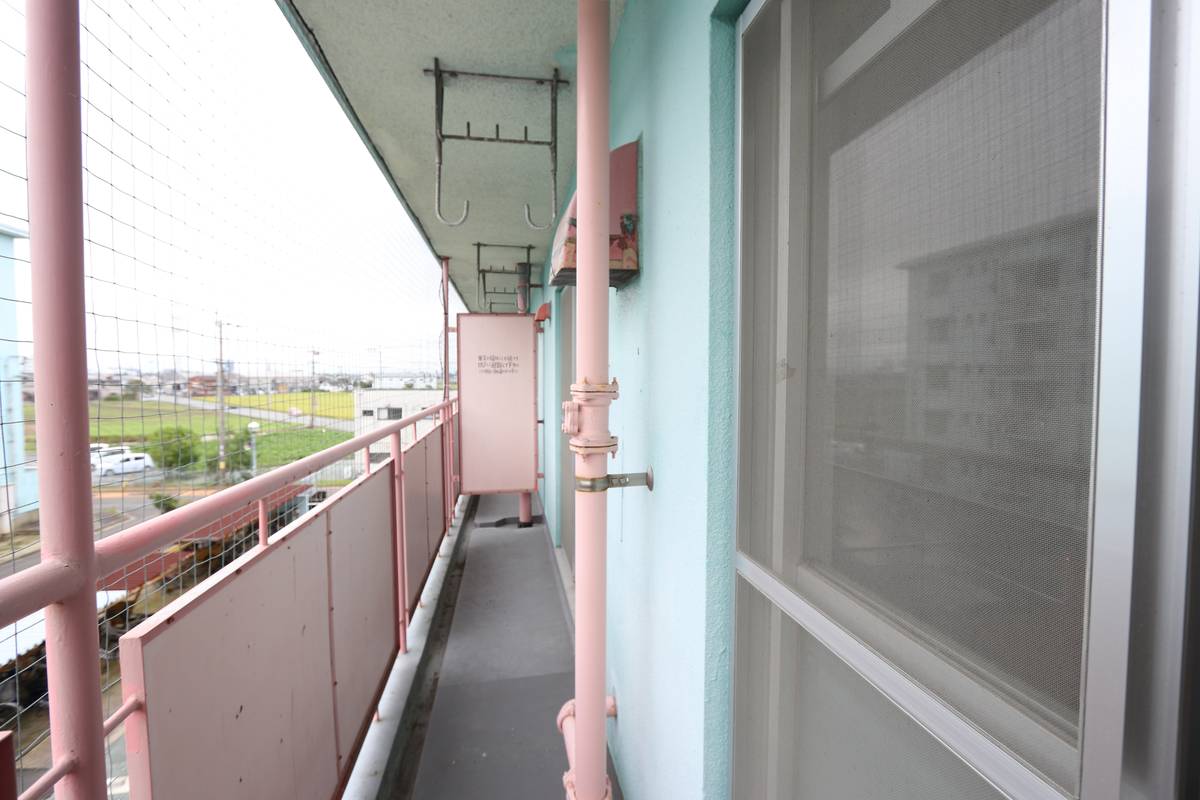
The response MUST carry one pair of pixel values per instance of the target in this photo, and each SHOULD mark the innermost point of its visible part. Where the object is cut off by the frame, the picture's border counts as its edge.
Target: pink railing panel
(237, 673)
(416, 518)
(362, 571)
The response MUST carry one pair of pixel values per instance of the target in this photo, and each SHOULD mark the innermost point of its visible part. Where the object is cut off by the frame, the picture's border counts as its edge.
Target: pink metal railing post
(592, 393)
(264, 523)
(401, 542)
(60, 383)
(447, 507)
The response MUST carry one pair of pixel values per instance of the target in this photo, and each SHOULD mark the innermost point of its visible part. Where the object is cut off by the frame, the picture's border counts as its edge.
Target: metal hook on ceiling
(553, 145)
(437, 197)
(553, 202)
(439, 138)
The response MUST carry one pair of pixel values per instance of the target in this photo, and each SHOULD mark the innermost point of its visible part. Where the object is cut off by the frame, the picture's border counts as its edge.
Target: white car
(106, 452)
(122, 463)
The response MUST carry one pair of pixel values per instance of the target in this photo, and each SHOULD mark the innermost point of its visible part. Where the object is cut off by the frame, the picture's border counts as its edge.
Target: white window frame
(1120, 285)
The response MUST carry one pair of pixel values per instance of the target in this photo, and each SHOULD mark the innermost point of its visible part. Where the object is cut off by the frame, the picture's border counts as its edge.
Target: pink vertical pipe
(525, 510)
(401, 542)
(60, 383)
(525, 506)
(591, 517)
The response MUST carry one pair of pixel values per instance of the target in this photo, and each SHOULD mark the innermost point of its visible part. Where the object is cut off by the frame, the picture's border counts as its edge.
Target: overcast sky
(222, 179)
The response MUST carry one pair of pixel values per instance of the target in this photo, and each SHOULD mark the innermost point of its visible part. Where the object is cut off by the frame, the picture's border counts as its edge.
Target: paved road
(261, 413)
(111, 514)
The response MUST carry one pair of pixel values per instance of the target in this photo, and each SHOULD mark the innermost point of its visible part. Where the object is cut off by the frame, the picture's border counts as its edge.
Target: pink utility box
(623, 225)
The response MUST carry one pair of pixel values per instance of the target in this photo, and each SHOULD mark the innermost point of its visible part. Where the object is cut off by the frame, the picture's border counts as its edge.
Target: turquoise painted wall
(672, 331)
(549, 344)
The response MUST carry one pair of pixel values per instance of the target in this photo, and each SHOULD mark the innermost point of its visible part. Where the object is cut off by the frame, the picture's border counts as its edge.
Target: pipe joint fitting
(568, 710)
(595, 394)
(593, 445)
(570, 422)
(569, 786)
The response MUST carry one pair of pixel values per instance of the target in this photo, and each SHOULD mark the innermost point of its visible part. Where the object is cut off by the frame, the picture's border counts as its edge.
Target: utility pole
(220, 401)
(312, 411)
(253, 428)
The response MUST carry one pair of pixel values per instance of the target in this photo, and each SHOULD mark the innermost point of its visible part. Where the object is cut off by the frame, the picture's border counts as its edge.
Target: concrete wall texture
(670, 569)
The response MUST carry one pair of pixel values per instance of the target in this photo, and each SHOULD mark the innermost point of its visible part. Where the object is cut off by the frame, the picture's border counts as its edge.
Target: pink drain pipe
(60, 375)
(592, 393)
(525, 506)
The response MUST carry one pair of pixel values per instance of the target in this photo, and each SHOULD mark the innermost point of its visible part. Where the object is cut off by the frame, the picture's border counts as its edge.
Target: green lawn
(138, 420)
(338, 405)
(135, 421)
(283, 446)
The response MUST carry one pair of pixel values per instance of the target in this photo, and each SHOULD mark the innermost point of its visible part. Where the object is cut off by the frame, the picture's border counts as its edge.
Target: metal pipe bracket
(618, 480)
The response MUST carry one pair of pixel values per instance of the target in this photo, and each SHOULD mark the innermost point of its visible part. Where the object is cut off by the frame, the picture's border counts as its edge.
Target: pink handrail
(50, 778)
(142, 539)
(30, 589)
(50, 580)
(36, 587)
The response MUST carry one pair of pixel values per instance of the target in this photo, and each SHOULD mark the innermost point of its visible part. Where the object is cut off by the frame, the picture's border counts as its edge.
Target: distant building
(374, 408)
(102, 387)
(202, 385)
(18, 471)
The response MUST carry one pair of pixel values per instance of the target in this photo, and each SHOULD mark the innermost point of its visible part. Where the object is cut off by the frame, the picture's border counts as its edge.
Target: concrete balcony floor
(500, 676)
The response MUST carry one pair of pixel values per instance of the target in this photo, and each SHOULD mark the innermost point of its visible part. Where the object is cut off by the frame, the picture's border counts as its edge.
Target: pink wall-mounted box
(622, 223)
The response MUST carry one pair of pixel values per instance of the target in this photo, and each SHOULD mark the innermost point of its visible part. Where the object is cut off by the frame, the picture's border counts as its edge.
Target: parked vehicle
(122, 462)
(106, 453)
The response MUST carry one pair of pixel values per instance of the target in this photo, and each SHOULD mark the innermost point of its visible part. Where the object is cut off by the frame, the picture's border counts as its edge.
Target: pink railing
(72, 563)
(53, 579)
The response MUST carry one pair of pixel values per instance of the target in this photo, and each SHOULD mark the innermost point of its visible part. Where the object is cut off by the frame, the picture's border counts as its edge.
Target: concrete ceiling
(373, 53)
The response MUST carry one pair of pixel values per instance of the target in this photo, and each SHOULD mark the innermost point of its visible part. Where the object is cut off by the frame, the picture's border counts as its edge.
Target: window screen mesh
(935, 364)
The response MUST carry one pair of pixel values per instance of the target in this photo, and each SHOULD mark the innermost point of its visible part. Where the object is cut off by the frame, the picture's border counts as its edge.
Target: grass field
(285, 446)
(337, 405)
(138, 420)
(134, 421)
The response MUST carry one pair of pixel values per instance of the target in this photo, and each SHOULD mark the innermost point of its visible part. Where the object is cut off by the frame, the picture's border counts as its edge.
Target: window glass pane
(807, 726)
(935, 372)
